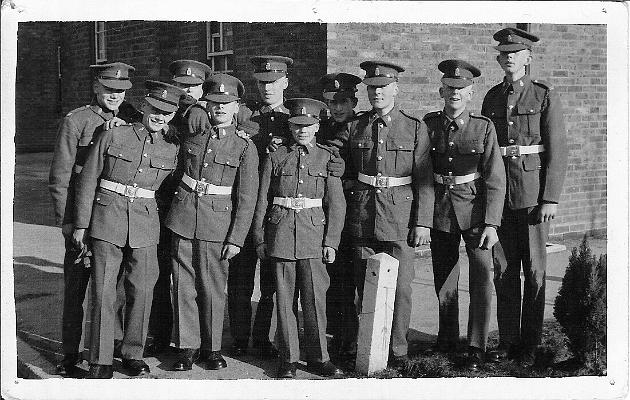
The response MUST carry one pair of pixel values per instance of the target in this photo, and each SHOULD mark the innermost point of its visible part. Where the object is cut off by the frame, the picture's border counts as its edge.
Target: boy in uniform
(469, 192)
(530, 128)
(115, 198)
(297, 227)
(210, 216)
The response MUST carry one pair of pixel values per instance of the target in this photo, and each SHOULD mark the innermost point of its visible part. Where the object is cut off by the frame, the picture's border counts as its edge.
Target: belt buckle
(381, 181)
(297, 203)
(513, 151)
(448, 180)
(130, 191)
(200, 188)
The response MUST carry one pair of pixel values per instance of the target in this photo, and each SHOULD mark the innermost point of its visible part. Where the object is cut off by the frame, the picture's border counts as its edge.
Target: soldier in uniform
(210, 216)
(469, 193)
(390, 206)
(115, 198)
(297, 227)
(188, 75)
(339, 92)
(262, 122)
(76, 134)
(530, 128)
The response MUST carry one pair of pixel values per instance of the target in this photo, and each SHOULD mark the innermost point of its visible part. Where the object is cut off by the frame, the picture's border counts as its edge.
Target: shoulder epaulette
(242, 134)
(410, 115)
(479, 116)
(542, 83)
(85, 107)
(432, 114)
(325, 147)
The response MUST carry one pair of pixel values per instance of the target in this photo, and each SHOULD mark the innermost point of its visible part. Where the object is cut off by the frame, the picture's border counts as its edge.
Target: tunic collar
(222, 132)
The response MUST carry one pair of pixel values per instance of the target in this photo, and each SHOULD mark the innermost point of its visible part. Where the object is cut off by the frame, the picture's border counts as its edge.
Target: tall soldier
(210, 216)
(469, 193)
(528, 118)
(115, 198)
(266, 121)
(298, 222)
(339, 91)
(76, 134)
(390, 207)
(188, 75)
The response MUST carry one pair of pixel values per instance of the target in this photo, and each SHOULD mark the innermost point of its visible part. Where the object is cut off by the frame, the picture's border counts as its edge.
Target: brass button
(379, 158)
(131, 200)
(450, 186)
(450, 159)
(135, 185)
(209, 150)
(300, 194)
(378, 190)
(203, 179)
(451, 143)
(380, 141)
(473, 151)
(205, 164)
(301, 181)
(139, 169)
(301, 167)
(510, 123)
(378, 174)
(511, 141)
(510, 107)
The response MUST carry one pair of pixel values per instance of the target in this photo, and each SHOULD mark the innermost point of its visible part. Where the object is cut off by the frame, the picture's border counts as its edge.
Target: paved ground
(38, 273)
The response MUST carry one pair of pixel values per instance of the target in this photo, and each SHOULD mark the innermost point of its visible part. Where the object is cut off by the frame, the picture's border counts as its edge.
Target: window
(219, 46)
(100, 53)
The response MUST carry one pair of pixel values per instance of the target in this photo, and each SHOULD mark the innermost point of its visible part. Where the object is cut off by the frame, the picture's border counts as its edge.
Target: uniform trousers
(141, 272)
(363, 249)
(309, 276)
(161, 321)
(240, 289)
(199, 279)
(522, 241)
(340, 308)
(75, 279)
(445, 257)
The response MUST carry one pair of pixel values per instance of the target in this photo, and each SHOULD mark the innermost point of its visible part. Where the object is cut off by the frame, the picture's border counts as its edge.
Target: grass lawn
(553, 360)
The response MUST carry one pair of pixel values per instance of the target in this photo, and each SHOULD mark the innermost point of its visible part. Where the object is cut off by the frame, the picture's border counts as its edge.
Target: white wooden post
(377, 312)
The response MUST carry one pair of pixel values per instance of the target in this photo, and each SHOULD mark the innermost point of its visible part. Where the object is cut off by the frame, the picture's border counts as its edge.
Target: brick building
(53, 78)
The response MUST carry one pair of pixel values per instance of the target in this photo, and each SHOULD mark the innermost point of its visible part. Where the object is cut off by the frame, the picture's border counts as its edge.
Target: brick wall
(305, 43)
(37, 105)
(571, 57)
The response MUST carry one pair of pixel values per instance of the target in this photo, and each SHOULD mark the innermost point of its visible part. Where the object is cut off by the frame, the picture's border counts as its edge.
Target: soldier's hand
(547, 212)
(229, 250)
(78, 238)
(418, 236)
(66, 230)
(336, 166)
(261, 251)
(488, 238)
(112, 123)
(275, 142)
(328, 255)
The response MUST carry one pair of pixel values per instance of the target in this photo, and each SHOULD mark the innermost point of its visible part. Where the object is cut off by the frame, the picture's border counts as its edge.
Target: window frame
(100, 33)
(211, 54)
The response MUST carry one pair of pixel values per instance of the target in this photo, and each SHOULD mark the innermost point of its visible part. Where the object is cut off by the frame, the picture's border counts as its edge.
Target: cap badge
(221, 88)
(164, 93)
(188, 71)
(303, 111)
(268, 67)
(377, 71)
(457, 71)
(336, 84)
(117, 73)
(509, 37)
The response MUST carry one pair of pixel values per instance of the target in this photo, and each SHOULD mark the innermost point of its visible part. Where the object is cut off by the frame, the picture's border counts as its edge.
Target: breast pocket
(529, 113)
(227, 165)
(317, 175)
(361, 151)
(191, 152)
(470, 147)
(118, 161)
(404, 155)
(160, 168)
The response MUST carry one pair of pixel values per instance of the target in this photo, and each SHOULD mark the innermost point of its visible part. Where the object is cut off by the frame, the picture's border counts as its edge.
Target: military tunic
(379, 219)
(295, 238)
(462, 146)
(261, 125)
(124, 230)
(525, 113)
(202, 225)
(74, 138)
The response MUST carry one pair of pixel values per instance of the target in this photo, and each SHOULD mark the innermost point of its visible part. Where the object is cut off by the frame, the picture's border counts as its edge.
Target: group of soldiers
(164, 207)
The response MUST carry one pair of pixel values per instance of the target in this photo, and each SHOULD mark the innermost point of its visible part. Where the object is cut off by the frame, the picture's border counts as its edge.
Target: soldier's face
(382, 97)
(342, 109)
(107, 98)
(194, 91)
(303, 134)
(456, 99)
(273, 92)
(514, 62)
(155, 119)
(222, 113)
